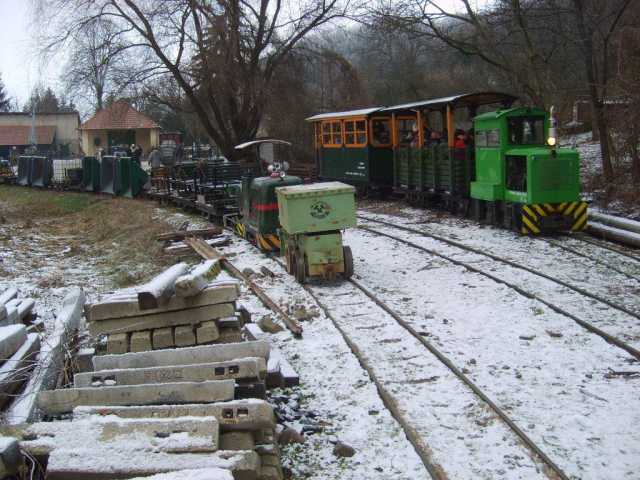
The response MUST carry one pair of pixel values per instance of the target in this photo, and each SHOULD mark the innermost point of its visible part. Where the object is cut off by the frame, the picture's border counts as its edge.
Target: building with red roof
(119, 125)
(56, 133)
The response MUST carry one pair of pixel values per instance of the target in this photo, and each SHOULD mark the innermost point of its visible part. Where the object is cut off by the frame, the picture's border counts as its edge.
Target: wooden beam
(209, 253)
(181, 235)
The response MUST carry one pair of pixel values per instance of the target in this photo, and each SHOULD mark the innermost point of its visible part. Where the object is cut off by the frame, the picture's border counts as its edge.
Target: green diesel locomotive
(504, 168)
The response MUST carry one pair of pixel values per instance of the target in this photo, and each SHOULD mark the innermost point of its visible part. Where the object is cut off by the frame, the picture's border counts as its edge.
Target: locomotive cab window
(355, 133)
(487, 138)
(332, 134)
(380, 132)
(526, 131)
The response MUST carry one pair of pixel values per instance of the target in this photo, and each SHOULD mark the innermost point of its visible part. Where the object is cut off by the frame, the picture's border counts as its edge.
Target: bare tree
(97, 65)
(222, 54)
(597, 23)
(537, 45)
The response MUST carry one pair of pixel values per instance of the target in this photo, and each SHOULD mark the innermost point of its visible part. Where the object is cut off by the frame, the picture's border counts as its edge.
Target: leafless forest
(230, 70)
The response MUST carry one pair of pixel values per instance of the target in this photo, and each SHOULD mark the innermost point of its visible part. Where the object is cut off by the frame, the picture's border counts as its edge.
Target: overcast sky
(18, 51)
(18, 58)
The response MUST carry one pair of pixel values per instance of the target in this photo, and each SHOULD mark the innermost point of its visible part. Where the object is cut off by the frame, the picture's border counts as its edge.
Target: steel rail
(511, 263)
(435, 471)
(465, 379)
(607, 247)
(589, 257)
(583, 323)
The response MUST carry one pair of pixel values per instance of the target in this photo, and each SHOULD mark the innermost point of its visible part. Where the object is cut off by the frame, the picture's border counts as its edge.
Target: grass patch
(117, 235)
(33, 204)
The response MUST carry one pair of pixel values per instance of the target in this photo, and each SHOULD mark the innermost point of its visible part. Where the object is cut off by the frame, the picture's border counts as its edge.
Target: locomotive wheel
(300, 269)
(348, 262)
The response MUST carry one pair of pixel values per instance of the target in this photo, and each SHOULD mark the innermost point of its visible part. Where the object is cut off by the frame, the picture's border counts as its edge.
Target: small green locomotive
(277, 212)
(504, 168)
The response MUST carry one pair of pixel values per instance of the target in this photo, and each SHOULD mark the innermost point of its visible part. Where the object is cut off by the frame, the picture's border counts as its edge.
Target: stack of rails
(19, 344)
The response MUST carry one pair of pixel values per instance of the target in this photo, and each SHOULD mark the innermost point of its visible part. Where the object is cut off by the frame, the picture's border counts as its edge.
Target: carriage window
(526, 131)
(355, 133)
(407, 129)
(380, 132)
(332, 133)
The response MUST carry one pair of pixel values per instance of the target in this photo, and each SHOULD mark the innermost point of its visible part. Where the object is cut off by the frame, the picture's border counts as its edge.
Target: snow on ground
(334, 386)
(536, 254)
(552, 376)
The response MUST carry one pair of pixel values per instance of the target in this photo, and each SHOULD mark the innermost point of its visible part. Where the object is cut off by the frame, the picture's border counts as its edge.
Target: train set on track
(505, 170)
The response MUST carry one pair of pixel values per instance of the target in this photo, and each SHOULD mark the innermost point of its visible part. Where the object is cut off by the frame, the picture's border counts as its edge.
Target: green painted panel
(319, 207)
(345, 164)
(322, 249)
(263, 208)
(553, 179)
(381, 165)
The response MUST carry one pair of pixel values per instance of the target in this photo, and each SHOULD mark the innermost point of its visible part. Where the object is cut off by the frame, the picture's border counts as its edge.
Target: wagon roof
(479, 98)
(349, 113)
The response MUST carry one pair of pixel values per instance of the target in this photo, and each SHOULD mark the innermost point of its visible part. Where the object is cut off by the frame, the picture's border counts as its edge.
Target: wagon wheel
(348, 262)
(300, 269)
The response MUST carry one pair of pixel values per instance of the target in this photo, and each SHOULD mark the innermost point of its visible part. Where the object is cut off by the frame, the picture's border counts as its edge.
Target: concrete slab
(196, 280)
(126, 305)
(160, 288)
(185, 335)
(52, 354)
(93, 464)
(229, 322)
(237, 441)
(245, 368)
(54, 402)
(84, 359)
(201, 474)
(118, 343)
(191, 316)
(11, 339)
(207, 332)
(15, 371)
(140, 341)
(163, 338)
(173, 435)
(236, 415)
(230, 335)
(10, 457)
(183, 356)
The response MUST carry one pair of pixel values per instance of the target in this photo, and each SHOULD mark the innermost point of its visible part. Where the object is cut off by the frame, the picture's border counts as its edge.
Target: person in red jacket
(461, 139)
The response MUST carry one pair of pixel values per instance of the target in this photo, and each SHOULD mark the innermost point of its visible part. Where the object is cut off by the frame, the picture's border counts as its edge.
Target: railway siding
(552, 377)
(618, 324)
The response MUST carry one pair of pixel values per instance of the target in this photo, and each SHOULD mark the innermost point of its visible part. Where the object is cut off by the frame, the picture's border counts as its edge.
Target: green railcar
(354, 147)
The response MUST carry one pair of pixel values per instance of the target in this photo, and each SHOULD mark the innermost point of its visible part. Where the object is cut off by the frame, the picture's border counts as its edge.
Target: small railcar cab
(355, 147)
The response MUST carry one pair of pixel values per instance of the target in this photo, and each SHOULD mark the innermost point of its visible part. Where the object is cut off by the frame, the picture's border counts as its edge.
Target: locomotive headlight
(551, 141)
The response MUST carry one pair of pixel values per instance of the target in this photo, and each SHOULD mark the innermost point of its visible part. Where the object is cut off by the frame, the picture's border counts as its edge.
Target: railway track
(523, 290)
(370, 315)
(592, 258)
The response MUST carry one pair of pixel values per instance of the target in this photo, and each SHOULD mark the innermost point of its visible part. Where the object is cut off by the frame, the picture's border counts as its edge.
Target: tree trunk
(597, 103)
